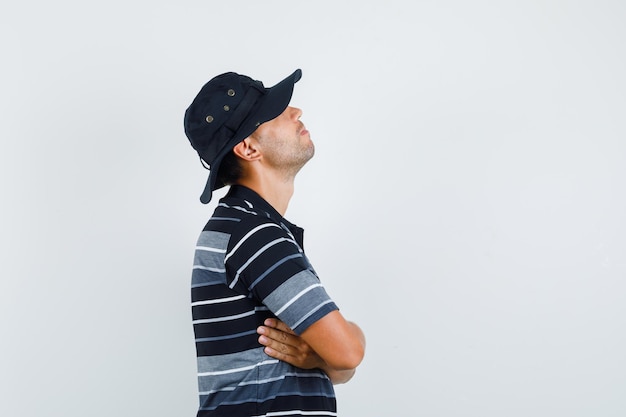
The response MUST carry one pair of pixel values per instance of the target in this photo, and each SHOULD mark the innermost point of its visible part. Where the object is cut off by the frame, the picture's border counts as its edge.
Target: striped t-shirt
(249, 265)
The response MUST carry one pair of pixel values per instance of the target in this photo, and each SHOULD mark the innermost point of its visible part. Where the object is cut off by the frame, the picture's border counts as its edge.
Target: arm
(283, 344)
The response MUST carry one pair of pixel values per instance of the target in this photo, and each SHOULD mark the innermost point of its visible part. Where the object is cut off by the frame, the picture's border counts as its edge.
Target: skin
(270, 159)
(272, 156)
(282, 343)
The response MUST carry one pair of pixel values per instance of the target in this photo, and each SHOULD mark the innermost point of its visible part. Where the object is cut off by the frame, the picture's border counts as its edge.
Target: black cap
(227, 110)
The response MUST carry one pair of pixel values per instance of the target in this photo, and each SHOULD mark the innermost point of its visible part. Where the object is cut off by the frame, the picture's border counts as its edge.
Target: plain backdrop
(466, 204)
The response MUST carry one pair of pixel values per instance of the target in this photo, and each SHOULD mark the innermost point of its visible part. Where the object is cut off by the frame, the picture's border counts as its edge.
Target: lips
(303, 130)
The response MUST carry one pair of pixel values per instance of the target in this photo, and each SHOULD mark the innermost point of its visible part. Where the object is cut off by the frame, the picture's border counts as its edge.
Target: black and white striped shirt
(250, 265)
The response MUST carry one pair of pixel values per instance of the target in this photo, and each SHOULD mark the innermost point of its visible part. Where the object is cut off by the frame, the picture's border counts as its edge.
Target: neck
(275, 190)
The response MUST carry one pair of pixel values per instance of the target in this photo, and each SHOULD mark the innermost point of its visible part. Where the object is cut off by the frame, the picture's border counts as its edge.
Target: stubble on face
(286, 145)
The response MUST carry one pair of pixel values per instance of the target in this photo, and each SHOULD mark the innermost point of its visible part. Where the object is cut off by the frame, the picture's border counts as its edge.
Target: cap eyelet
(226, 108)
(209, 119)
(231, 92)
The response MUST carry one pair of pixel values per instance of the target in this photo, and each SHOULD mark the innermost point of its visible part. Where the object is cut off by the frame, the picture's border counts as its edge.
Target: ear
(247, 150)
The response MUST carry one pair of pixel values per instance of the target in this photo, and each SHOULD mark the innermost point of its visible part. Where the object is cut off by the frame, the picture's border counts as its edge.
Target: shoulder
(256, 231)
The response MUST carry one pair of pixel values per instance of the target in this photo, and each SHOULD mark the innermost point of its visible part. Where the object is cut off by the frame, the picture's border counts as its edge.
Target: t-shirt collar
(259, 203)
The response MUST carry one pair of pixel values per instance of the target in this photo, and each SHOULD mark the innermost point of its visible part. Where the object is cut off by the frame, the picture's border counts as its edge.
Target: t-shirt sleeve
(264, 261)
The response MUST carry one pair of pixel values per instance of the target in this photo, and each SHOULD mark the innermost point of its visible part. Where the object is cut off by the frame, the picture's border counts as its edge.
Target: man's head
(228, 109)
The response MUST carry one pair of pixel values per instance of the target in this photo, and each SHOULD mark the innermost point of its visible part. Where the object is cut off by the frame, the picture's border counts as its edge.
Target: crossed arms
(332, 344)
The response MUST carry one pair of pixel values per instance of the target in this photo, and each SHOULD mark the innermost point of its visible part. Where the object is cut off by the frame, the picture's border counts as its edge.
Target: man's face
(284, 141)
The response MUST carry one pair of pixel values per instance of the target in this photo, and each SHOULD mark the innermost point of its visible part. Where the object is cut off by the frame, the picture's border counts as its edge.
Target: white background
(465, 205)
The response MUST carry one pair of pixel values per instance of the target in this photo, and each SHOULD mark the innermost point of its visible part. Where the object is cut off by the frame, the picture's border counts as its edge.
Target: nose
(295, 112)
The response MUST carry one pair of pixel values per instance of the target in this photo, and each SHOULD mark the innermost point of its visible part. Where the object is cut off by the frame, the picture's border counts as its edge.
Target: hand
(282, 343)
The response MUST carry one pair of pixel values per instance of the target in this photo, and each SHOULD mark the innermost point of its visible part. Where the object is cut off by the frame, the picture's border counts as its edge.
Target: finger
(273, 353)
(276, 335)
(277, 324)
(275, 348)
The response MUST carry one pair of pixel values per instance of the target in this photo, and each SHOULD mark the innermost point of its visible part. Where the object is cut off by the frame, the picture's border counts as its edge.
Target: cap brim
(277, 99)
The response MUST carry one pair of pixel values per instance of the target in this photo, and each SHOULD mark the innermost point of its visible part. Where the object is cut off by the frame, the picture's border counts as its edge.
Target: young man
(269, 339)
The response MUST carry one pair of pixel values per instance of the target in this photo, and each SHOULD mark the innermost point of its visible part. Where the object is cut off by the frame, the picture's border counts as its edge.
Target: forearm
(341, 376)
(358, 333)
(338, 376)
(281, 343)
